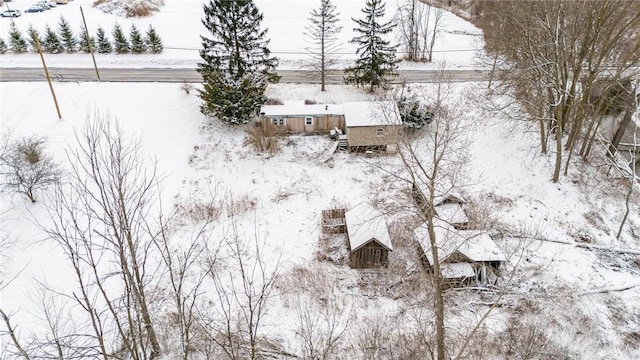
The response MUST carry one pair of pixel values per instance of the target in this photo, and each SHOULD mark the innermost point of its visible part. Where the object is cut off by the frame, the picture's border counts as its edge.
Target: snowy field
(178, 24)
(584, 302)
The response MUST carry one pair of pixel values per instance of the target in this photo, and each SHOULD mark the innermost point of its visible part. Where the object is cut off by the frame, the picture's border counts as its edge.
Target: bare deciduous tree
(557, 53)
(100, 221)
(420, 25)
(243, 279)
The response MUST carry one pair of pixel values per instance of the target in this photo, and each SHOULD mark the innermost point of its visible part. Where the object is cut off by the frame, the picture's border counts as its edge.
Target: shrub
(120, 43)
(153, 41)
(310, 102)
(138, 45)
(104, 45)
(25, 167)
(273, 101)
(261, 137)
(414, 114)
(17, 43)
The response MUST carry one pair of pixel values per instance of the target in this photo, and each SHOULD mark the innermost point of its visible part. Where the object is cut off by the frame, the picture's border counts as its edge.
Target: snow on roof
(475, 245)
(364, 223)
(457, 270)
(452, 213)
(299, 108)
(443, 193)
(371, 113)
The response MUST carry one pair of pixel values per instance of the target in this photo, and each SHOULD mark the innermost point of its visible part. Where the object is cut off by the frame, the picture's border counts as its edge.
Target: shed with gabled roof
(372, 125)
(368, 237)
(456, 246)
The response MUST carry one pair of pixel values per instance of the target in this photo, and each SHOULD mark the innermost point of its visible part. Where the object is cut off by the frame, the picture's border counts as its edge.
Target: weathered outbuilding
(465, 256)
(448, 206)
(368, 238)
(372, 125)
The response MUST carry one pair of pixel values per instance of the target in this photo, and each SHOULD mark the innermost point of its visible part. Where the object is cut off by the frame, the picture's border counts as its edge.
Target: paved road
(190, 75)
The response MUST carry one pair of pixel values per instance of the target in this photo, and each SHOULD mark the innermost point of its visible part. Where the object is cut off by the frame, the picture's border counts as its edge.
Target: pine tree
(83, 44)
(69, 41)
(322, 35)
(104, 45)
(3, 46)
(138, 45)
(17, 43)
(376, 58)
(236, 66)
(52, 43)
(154, 43)
(120, 43)
(33, 34)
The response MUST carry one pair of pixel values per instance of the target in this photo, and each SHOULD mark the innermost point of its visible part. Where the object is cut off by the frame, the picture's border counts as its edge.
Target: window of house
(380, 132)
(308, 120)
(277, 121)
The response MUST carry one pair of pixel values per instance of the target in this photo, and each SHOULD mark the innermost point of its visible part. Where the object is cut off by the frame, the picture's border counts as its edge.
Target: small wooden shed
(448, 206)
(367, 237)
(465, 256)
(294, 117)
(372, 125)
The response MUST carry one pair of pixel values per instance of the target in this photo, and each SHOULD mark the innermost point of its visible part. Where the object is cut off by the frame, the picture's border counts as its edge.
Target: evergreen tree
(17, 43)
(83, 44)
(235, 66)
(52, 43)
(69, 41)
(104, 45)
(3, 46)
(154, 43)
(33, 34)
(376, 58)
(138, 45)
(322, 35)
(120, 43)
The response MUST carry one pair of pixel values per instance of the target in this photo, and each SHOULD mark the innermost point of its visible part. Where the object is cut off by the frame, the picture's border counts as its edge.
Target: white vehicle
(11, 13)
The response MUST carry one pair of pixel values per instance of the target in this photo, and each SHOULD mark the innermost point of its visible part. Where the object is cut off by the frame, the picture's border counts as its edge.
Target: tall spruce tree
(322, 34)
(69, 41)
(121, 44)
(52, 43)
(236, 64)
(32, 35)
(17, 43)
(104, 45)
(376, 58)
(154, 43)
(83, 44)
(138, 46)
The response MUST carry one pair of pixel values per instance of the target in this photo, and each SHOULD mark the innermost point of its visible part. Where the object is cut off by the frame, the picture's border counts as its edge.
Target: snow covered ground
(571, 302)
(178, 24)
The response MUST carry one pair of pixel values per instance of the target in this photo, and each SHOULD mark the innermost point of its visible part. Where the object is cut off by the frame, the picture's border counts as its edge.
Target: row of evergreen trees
(63, 39)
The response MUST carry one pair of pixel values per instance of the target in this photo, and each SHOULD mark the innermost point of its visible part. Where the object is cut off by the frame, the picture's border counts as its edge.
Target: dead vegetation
(129, 8)
(262, 137)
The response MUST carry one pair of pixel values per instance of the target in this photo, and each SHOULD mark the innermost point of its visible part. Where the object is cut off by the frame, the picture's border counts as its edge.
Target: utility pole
(86, 34)
(46, 72)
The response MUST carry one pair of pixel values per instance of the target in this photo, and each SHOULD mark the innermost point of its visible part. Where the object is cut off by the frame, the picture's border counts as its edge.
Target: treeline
(64, 40)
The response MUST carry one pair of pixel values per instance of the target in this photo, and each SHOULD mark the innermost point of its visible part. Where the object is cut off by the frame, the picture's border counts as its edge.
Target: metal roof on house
(365, 224)
(299, 108)
(371, 113)
(475, 245)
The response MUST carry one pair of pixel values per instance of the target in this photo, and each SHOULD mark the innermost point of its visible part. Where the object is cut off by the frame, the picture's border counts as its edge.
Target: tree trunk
(617, 137)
